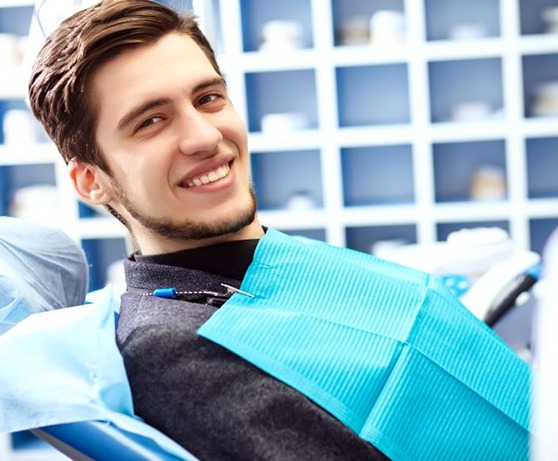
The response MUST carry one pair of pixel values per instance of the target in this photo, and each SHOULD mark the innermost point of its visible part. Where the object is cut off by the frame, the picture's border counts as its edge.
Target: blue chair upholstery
(101, 441)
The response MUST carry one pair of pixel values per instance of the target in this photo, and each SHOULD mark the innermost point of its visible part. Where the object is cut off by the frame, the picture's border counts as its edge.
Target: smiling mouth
(209, 176)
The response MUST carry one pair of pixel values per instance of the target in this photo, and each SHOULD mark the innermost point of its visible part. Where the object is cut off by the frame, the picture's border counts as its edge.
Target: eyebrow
(146, 106)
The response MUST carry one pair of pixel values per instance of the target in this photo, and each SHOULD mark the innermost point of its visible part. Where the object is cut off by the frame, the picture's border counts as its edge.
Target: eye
(209, 98)
(149, 122)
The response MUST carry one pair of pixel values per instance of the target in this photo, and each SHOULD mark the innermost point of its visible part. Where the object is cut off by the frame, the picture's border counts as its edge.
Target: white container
(20, 127)
(10, 55)
(468, 31)
(281, 35)
(387, 27)
(488, 183)
(470, 110)
(355, 31)
(283, 122)
(550, 17)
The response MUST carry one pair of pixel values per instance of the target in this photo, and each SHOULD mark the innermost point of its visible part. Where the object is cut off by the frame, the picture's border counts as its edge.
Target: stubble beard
(188, 229)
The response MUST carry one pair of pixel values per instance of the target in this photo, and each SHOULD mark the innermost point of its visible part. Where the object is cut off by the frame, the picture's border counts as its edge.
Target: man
(133, 97)
(166, 151)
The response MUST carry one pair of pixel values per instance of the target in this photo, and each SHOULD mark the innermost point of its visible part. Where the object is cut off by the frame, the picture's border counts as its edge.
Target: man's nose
(198, 135)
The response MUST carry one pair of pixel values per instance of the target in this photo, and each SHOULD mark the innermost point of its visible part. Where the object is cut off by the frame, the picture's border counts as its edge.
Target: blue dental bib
(384, 348)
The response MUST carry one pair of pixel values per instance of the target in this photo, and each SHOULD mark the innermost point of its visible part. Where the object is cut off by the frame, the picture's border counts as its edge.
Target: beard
(188, 229)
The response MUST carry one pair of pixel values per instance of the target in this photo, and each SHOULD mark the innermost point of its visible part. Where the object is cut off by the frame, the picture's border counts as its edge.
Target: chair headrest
(41, 268)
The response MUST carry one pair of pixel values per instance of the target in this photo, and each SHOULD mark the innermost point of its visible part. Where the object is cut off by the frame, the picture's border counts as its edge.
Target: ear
(90, 182)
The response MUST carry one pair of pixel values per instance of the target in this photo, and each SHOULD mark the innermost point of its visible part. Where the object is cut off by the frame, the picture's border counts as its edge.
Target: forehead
(172, 64)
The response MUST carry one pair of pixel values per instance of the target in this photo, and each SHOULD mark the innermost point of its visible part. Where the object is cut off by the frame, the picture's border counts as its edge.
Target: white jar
(387, 26)
(19, 127)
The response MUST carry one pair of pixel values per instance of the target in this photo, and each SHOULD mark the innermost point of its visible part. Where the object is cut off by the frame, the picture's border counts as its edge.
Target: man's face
(176, 148)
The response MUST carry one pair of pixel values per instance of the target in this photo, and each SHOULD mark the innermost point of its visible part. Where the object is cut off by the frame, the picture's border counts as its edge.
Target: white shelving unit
(433, 73)
(381, 157)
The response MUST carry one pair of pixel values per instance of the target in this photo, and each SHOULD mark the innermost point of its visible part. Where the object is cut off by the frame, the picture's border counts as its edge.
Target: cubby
(535, 16)
(352, 20)
(465, 90)
(373, 239)
(540, 85)
(303, 190)
(263, 21)
(458, 20)
(473, 170)
(364, 134)
(540, 229)
(373, 95)
(542, 165)
(368, 173)
(292, 106)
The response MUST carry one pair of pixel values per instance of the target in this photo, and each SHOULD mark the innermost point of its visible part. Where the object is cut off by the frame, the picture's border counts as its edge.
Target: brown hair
(58, 88)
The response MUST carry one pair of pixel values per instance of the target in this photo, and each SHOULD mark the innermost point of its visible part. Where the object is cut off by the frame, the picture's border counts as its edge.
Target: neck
(150, 245)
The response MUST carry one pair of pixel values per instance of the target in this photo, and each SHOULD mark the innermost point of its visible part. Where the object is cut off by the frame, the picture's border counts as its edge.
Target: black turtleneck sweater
(230, 259)
(212, 402)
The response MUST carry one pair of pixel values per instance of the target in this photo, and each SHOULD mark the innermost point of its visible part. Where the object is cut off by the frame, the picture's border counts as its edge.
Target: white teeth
(209, 177)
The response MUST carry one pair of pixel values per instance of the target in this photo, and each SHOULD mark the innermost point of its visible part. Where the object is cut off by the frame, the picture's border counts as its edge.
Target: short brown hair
(58, 88)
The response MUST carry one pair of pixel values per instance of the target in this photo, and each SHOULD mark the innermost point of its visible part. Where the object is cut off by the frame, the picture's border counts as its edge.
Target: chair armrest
(101, 441)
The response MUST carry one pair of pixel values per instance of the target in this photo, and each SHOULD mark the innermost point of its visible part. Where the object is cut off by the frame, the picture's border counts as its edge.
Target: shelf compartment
(16, 19)
(466, 90)
(532, 17)
(458, 20)
(542, 165)
(539, 231)
(373, 95)
(29, 191)
(540, 85)
(374, 239)
(352, 22)
(103, 257)
(470, 171)
(289, 97)
(18, 126)
(288, 180)
(377, 175)
(272, 26)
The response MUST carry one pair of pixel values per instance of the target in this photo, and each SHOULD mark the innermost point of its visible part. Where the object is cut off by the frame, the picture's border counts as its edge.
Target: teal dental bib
(384, 348)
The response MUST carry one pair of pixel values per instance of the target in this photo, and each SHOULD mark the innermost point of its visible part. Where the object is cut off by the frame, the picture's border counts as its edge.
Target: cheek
(233, 128)
(240, 140)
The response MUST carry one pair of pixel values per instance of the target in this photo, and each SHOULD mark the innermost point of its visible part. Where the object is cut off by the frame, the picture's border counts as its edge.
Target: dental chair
(50, 262)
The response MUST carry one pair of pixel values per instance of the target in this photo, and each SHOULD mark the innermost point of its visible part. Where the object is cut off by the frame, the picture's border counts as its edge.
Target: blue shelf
(364, 238)
(373, 95)
(302, 168)
(377, 175)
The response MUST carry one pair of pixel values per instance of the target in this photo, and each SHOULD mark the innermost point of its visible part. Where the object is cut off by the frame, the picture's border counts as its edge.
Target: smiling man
(324, 353)
(133, 97)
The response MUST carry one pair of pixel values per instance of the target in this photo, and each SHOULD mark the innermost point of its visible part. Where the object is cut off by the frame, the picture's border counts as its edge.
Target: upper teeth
(209, 177)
